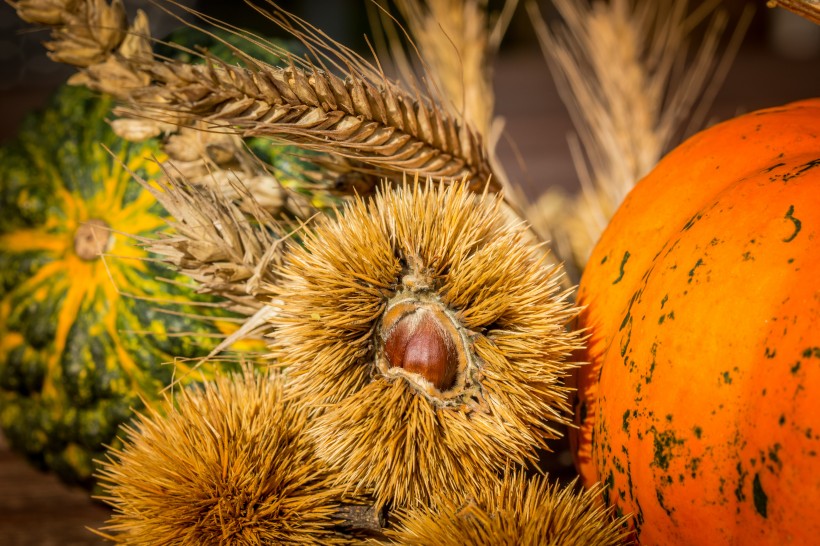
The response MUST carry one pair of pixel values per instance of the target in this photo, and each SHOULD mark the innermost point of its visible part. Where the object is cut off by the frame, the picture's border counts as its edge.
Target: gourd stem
(91, 239)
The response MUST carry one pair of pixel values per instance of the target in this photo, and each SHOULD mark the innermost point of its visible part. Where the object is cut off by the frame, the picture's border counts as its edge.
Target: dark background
(779, 62)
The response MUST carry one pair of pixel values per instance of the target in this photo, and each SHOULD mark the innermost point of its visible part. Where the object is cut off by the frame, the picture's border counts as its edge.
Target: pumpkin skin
(84, 339)
(700, 408)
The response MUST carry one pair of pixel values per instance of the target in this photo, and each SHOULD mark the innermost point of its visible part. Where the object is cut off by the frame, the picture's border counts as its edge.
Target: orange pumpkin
(700, 408)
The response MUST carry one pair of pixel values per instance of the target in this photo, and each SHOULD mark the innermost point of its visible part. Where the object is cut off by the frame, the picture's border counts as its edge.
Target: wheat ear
(454, 44)
(457, 41)
(362, 116)
(627, 73)
(228, 251)
(113, 56)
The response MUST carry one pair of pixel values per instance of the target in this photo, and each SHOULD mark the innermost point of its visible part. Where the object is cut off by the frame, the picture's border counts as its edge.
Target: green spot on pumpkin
(782, 420)
(698, 432)
(604, 260)
(625, 424)
(654, 351)
(741, 479)
(692, 271)
(693, 465)
(692, 221)
(619, 467)
(659, 495)
(769, 353)
(774, 456)
(670, 315)
(664, 444)
(626, 320)
(773, 167)
(796, 367)
(609, 485)
(727, 378)
(759, 496)
(621, 268)
(800, 170)
(812, 352)
(628, 337)
(798, 225)
(664, 300)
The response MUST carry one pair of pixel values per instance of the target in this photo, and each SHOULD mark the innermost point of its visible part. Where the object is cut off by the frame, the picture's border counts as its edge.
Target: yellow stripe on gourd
(66, 317)
(34, 240)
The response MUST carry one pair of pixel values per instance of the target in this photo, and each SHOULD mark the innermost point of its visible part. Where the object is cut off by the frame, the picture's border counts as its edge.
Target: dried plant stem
(805, 8)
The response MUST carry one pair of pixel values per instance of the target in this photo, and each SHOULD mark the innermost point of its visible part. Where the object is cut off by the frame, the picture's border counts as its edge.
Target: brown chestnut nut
(418, 344)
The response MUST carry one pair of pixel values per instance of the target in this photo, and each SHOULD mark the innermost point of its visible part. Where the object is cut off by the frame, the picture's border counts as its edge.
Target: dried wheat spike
(224, 464)
(431, 338)
(94, 35)
(380, 125)
(634, 85)
(45, 12)
(457, 42)
(520, 511)
(229, 251)
(362, 116)
(114, 57)
(88, 30)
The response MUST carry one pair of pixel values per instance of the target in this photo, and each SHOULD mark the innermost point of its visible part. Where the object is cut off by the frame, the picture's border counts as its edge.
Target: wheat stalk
(625, 71)
(457, 42)
(228, 251)
(384, 127)
(363, 116)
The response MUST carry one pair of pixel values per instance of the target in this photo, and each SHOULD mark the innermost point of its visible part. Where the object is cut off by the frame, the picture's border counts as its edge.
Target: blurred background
(778, 62)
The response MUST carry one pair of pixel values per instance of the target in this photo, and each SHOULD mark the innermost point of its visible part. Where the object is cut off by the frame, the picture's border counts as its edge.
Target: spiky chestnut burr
(520, 511)
(431, 339)
(225, 464)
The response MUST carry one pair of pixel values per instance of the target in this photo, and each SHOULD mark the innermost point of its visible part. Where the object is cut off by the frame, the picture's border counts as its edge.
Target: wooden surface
(35, 509)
